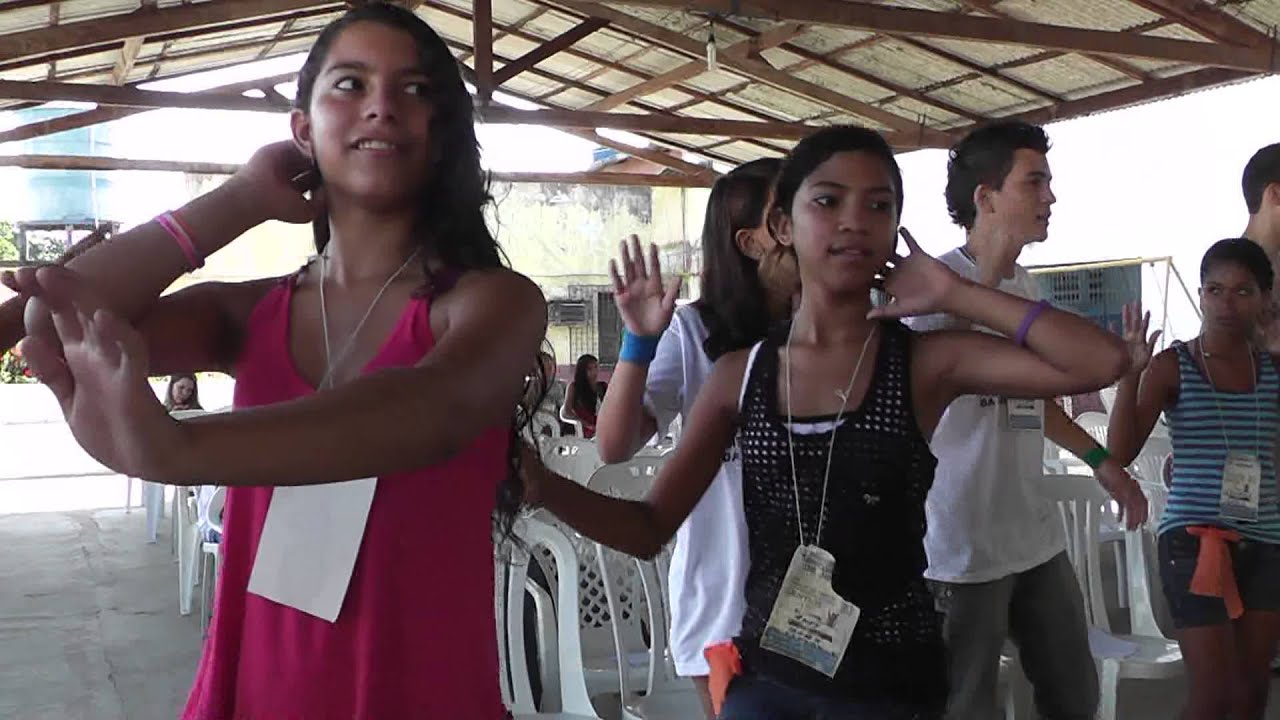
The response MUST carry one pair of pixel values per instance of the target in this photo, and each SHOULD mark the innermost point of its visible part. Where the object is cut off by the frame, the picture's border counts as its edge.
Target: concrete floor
(90, 630)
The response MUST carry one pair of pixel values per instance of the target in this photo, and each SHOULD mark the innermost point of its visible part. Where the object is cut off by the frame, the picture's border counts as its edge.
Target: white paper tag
(810, 623)
(309, 544)
(1241, 484)
(1024, 414)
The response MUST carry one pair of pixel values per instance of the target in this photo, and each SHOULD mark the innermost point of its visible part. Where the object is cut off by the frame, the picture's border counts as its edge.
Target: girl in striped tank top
(1220, 534)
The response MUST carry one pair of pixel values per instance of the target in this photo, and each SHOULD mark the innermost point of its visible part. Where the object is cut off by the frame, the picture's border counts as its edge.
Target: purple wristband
(1032, 314)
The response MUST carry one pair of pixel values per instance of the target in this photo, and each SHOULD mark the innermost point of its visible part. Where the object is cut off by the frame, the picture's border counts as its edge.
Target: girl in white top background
(667, 355)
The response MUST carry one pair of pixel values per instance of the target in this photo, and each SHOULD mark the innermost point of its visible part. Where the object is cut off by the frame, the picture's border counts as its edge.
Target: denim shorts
(1257, 570)
(757, 697)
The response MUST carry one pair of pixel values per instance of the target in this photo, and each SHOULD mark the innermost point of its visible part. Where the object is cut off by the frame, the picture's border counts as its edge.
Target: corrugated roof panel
(1092, 14)
(1065, 74)
(825, 40)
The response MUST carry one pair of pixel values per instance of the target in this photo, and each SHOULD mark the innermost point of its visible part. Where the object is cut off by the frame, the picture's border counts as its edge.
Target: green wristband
(1095, 457)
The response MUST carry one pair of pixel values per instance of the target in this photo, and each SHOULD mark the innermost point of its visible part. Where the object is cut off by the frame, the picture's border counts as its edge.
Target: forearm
(624, 424)
(1072, 344)
(629, 526)
(1066, 434)
(393, 421)
(11, 327)
(1123, 434)
(134, 268)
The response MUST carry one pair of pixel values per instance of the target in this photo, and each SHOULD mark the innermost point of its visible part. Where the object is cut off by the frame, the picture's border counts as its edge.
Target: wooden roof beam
(124, 63)
(142, 22)
(812, 57)
(758, 70)
(1209, 20)
(896, 20)
(133, 97)
(561, 42)
(101, 115)
(482, 42)
(654, 156)
(745, 48)
(104, 164)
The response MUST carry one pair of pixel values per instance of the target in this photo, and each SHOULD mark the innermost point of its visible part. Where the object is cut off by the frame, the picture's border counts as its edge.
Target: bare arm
(130, 271)
(1060, 429)
(391, 421)
(624, 424)
(642, 528)
(1139, 402)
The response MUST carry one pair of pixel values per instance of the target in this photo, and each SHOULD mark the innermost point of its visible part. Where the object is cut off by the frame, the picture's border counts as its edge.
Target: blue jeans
(754, 697)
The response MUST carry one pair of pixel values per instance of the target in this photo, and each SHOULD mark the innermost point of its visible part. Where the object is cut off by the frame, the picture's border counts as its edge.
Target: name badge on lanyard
(810, 623)
(1024, 414)
(1241, 486)
(309, 543)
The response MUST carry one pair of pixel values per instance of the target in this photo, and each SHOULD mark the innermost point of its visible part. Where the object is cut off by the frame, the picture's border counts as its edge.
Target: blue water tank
(65, 196)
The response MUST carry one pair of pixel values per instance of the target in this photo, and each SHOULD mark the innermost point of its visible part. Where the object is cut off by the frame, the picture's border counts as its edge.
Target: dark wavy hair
(1243, 252)
(985, 157)
(734, 305)
(818, 148)
(451, 227)
(585, 392)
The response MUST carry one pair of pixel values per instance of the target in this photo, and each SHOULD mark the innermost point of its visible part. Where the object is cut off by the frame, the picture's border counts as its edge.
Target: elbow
(1110, 363)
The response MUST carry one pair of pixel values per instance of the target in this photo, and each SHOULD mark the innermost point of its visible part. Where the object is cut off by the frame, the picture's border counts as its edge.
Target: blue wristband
(638, 349)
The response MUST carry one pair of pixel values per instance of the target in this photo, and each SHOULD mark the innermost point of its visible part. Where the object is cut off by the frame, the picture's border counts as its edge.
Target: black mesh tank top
(881, 470)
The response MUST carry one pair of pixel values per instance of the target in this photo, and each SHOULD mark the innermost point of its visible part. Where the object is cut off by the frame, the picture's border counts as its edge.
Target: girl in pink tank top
(401, 353)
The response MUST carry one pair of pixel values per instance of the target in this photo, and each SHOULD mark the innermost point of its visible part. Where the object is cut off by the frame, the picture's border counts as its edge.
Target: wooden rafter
(482, 42)
(827, 62)
(124, 63)
(1210, 20)
(551, 47)
(499, 34)
(1135, 94)
(566, 83)
(654, 156)
(133, 97)
(117, 28)
(694, 68)
(620, 67)
(105, 164)
(976, 69)
(909, 21)
(756, 69)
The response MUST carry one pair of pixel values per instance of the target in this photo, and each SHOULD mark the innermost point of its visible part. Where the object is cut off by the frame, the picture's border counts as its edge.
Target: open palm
(1141, 346)
(96, 366)
(645, 305)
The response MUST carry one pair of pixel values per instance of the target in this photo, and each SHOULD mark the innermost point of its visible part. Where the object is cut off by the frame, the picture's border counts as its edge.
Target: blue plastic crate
(1099, 294)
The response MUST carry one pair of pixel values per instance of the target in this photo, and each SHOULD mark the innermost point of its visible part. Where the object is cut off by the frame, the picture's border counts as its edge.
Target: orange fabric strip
(1215, 575)
(726, 664)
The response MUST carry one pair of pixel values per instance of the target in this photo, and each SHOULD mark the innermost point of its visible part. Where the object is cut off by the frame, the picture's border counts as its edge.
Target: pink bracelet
(180, 235)
(1032, 314)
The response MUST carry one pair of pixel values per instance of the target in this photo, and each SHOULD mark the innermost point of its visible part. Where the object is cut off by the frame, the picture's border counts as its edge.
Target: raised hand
(1141, 347)
(917, 284)
(644, 304)
(96, 366)
(274, 182)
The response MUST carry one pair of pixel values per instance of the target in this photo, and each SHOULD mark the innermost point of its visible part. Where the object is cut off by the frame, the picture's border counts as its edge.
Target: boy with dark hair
(996, 549)
(1261, 186)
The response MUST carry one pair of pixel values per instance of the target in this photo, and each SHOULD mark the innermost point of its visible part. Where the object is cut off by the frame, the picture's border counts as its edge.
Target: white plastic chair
(630, 480)
(572, 457)
(517, 693)
(1094, 423)
(212, 551)
(1150, 464)
(665, 695)
(545, 425)
(189, 546)
(569, 418)
(1154, 657)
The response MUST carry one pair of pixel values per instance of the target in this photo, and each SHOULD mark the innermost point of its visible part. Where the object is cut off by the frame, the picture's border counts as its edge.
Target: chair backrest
(572, 457)
(217, 502)
(634, 596)
(1149, 466)
(629, 480)
(1108, 397)
(1082, 504)
(1094, 423)
(545, 425)
(568, 419)
(1148, 609)
(536, 536)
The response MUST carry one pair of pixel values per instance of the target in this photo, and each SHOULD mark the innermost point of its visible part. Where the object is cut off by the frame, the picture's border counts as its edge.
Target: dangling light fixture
(711, 47)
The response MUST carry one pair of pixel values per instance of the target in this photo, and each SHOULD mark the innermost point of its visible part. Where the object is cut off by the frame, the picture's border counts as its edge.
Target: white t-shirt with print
(985, 519)
(709, 562)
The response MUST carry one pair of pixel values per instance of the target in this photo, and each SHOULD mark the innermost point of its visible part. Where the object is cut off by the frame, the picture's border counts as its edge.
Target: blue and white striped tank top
(1250, 421)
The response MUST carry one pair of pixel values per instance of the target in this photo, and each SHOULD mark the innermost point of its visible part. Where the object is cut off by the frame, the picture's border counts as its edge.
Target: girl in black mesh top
(833, 413)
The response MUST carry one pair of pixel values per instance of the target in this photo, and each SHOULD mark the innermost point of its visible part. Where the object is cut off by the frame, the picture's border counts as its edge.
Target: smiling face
(369, 119)
(843, 222)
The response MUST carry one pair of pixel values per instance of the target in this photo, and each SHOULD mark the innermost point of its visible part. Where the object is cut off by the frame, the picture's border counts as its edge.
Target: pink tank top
(416, 637)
